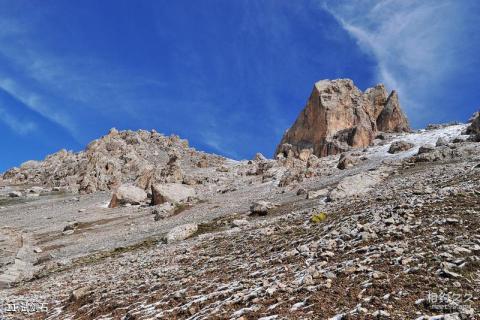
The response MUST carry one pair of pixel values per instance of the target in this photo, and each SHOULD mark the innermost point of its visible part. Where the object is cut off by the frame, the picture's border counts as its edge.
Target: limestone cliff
(339, 116)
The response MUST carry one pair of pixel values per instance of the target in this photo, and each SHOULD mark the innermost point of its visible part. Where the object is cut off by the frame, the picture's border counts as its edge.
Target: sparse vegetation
(318, 217)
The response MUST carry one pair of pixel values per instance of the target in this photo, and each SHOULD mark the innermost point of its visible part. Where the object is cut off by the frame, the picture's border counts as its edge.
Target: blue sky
(229, 76)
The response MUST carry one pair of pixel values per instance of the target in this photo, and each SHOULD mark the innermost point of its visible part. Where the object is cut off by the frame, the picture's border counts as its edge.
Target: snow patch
(418, 139)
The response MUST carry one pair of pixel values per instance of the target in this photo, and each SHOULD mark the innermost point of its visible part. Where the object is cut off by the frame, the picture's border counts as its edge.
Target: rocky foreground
(140, 226)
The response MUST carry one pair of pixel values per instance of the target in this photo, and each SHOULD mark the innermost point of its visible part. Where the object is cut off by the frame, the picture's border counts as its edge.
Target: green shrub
(319, 217)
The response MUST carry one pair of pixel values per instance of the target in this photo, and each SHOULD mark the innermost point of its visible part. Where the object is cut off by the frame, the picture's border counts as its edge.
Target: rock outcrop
(140, 158)
(339, 116)
(474, 129)
(392, 118)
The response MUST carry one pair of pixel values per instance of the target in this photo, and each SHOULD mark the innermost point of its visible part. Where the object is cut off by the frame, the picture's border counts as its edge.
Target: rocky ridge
(139, 157)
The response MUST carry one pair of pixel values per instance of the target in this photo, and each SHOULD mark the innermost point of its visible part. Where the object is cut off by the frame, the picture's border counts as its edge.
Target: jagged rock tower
(339, 116)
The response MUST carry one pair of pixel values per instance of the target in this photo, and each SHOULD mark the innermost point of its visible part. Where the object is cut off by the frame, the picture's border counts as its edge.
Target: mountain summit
(339, 116)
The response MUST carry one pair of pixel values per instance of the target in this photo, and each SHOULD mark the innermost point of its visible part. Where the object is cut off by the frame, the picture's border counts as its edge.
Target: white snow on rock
(418, 138)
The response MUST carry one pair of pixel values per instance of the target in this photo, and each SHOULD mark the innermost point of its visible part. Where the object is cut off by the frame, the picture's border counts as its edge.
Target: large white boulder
(181, 232)
(356, 185)
(127, 194)
(171, 192)
(313, 194)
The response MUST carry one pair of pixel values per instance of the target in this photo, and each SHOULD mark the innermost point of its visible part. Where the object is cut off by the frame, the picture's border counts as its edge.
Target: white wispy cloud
(27, 61)
(415, 43)
(36, 103)
(212, 135)
(19, 126)
(63, 87)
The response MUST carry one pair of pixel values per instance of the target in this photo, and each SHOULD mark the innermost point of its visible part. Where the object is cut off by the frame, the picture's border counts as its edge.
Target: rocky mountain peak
(339, 116)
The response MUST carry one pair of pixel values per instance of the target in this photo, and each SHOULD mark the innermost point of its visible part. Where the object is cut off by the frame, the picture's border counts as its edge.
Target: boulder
(301, 192)
(127, 194)
(71, 226)
(313, 194)
(15, 194)
(181, 232)
(304, 154)
(163, 211)
(261, 207)
(355, 185)
(339, 116)
(426, 149)
(240, 222)
(79, 294)
(291, 176)
(441, 142)
(37, 190)
(171, 192)
(400, 146)
(346, 161)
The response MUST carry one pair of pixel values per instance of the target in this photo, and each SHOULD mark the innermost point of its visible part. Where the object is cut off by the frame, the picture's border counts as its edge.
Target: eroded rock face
(392, 118)
(339, 116)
